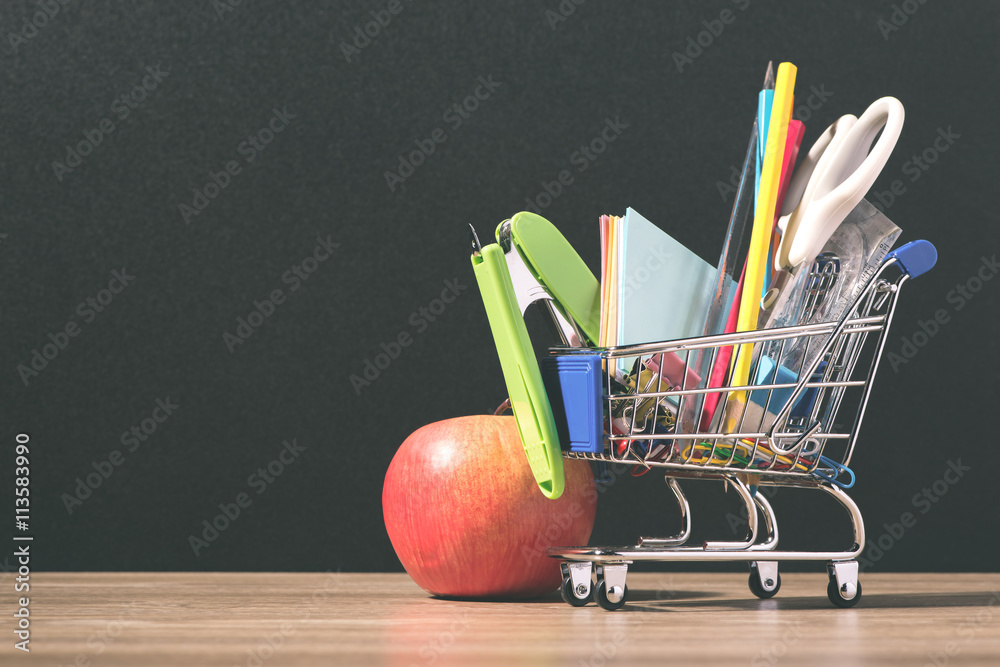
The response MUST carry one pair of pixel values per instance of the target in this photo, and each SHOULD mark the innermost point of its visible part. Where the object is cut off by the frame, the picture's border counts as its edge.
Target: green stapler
(532, 262)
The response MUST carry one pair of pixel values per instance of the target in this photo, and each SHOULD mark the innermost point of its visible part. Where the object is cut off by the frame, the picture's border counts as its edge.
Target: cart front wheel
(610, 600)
(569, 596)
(837, 596)
(758, 589)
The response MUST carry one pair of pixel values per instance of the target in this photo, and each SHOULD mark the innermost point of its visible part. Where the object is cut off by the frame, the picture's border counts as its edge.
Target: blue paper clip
(837, 469)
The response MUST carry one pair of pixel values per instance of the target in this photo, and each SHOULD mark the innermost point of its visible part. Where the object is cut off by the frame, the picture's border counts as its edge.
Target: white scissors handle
(803, 173)
(803, 185)
(842, 176)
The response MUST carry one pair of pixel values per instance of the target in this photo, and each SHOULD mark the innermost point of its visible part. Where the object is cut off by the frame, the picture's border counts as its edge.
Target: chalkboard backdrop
(217, 214)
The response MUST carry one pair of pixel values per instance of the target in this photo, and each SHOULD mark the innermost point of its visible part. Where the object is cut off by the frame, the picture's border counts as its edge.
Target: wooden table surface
(385, 619)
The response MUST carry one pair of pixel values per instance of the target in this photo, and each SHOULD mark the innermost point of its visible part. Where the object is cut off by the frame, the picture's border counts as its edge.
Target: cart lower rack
(784, 428)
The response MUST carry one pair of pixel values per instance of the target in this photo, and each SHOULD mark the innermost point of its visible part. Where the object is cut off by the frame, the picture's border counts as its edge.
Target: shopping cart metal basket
(795, 422)
(795, 425)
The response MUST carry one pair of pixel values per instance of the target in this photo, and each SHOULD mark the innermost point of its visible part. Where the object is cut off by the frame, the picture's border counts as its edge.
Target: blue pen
(765, 100)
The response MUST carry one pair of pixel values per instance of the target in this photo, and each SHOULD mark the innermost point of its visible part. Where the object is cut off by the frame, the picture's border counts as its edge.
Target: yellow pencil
(781, 113)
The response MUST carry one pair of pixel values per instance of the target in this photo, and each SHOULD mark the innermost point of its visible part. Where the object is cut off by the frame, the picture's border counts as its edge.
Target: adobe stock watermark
(123, 105)
(100, 641)
(268, 645)
(914, 168)
(419, 321)
(455, 116)
(362, 35)
(966, 630)
(223, 7)
(923, 501)
(87, 310)
(899, 17)
(443, 641)
(264, 308)
(738, 522)
(22, 617)
(584, 497)
(32, 23)
(563, 11)
(131, 440)
(606, 652)
(810, 104)
(272, 642)
(778, 649)
(7, 569)
(697, 44)
(581, 159)
(249, 149)
(958, 297)
(557, 525)
(657, 259)
(258, 481)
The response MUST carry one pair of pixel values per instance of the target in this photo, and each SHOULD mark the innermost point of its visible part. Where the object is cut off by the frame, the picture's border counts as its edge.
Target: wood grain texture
(385, 619)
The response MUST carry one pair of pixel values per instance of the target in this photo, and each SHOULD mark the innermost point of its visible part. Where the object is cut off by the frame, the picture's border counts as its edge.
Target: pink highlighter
(721, 367)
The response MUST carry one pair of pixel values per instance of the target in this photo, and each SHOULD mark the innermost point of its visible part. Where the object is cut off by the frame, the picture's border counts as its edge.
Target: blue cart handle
(915, 258)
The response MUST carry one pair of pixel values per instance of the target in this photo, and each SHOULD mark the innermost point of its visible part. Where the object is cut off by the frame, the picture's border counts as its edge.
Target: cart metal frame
(742, 447)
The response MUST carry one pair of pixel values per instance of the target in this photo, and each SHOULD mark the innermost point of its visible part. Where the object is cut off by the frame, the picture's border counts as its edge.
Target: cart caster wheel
(601, 596)
(837, 597)
(569, 595)
(758, 589)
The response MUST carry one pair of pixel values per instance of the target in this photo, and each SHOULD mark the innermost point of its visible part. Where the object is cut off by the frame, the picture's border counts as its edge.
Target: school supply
(781, 113)
(667, 362)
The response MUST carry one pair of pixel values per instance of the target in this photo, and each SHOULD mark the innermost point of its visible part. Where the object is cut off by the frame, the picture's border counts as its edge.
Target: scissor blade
(769, 76)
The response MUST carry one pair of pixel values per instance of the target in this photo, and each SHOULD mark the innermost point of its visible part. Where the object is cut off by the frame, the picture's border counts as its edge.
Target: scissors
(833, 178)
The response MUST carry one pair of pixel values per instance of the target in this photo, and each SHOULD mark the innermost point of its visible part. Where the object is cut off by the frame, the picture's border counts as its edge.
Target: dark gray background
(324, 175)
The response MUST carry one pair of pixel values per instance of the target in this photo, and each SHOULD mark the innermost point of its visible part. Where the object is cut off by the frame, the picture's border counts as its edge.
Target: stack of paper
(652, 287)
(609, 228)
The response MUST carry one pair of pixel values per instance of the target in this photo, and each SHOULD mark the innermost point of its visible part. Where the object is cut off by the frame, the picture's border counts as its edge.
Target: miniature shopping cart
(795, 422)
(796, 425)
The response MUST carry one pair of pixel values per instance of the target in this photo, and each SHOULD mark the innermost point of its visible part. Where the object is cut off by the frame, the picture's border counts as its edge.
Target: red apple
(466, 517)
